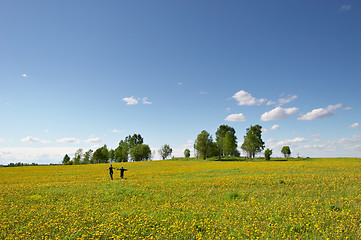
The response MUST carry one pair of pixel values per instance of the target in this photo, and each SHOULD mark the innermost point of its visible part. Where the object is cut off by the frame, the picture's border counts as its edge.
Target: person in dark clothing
(122, 170)
(111, 171)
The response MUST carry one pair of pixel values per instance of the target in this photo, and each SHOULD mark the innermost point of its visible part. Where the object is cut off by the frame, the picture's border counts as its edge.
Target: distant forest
(132, 148)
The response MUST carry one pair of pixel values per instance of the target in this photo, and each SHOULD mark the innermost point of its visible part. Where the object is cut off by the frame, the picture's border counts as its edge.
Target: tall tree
(204, 144)
(78, 156)
(122, 152)
(101, 155)
(165, 151)
(231, 142)
(140, 152)
(66, 159)
(187, 153)
(267, 154)
(253, 143)
(87, 156)
(112, 155)
(286, 151)
(134, 140)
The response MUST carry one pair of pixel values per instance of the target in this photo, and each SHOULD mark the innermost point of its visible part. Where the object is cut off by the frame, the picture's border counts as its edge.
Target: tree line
(132, 148)
(226, 144)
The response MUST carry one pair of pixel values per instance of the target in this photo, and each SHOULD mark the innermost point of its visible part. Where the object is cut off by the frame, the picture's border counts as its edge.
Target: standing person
(111, 171)
(122, 170)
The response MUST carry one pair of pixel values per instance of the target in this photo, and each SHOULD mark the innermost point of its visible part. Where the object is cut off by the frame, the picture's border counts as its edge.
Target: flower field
(311, 199)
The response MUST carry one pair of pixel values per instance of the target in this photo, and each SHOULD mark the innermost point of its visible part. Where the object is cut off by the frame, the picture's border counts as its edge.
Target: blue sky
(81, 74)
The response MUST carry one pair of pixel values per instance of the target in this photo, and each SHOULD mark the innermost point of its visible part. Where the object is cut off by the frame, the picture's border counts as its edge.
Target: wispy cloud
(320, 112)
(282, 101)
(130, 100)
(134, 101)
(30, 139)
(288, 141)
(145, 101)
(44, 155)
(245, 98)
(278, 113)
(116, 131)
(351, 143)
(93, 140)
(274, 127)
(355, 125)
(24, 75)
(345, 7)
(236, 118)
(68, 140)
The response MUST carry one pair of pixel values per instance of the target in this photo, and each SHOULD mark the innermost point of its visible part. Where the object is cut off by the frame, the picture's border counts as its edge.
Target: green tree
(204, 145)
(122, 152)
(101, 155)
(134, 140)
(78, 156)
(112, 155)
(165, 151)
(286, 151)
(229, 144)
(187, 153)
(66, 159)
(226, 147)
(87, 156)
(253, 143)
(140, 152)
(267, 154)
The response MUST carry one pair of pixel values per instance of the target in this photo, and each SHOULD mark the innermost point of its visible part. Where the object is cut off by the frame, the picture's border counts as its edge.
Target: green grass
(311, 199)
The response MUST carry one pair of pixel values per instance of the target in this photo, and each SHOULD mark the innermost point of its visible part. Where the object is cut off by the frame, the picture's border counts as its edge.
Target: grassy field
(311, 199)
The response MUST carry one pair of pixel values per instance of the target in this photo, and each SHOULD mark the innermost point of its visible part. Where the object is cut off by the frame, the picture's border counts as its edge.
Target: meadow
(309, 199)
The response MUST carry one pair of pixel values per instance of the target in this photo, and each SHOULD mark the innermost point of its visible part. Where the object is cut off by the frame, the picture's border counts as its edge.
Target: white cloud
(355, 125)
(282, 101)
(180, 84)
(320, 112)
(130, 101)
(34, 155)
(116, 131)
(245, 98)
(228, 109)
(278, 113)
(291, 141)
(236, 118)
(24, 75)
(145, 101)
(345, 7)
(179, 151)
(274, 127)
(93, 140)
(344, 147)
(30, 139)
(348, 108)
(68, 140)
(34, 140)
(353, 143)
